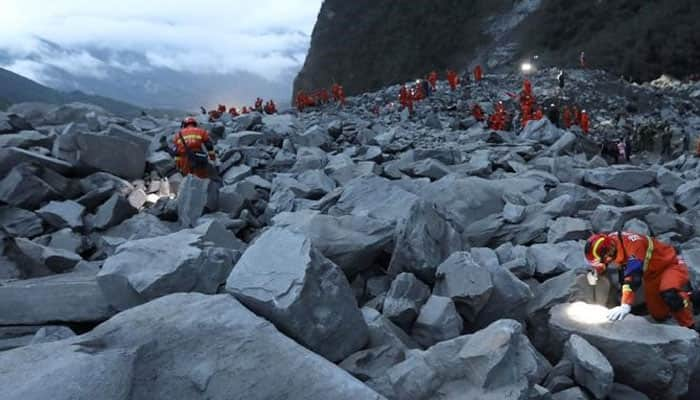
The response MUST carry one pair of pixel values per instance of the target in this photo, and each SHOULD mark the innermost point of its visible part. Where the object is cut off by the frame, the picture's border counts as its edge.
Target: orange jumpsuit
(452, 79)
(656, 266)
(432, 79)
(585, 123)
(194, 138)
(478, 113)
(567, 118)
(478, 73)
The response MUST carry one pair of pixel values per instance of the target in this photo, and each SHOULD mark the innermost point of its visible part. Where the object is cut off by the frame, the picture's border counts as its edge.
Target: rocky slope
(386, 42)
(341, 254)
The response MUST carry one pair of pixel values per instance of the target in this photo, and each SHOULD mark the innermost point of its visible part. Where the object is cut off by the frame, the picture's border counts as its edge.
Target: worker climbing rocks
(258, 105)
(567, 117)
(498, 120)
(478, 73)
(233, 112)
(270, 107)
(406, 99)
(338, 94)
(644, 261)
(245, 110)
(478, 113)
(452, 79)
(188, 149)
(432, 79)
(221, 109)
(585, 122)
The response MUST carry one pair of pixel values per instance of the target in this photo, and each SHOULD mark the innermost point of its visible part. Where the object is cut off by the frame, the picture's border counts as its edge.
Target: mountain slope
(368, 44)
(15, 88)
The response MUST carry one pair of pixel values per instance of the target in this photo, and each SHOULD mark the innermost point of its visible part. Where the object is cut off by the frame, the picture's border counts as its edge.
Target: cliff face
(369, 44)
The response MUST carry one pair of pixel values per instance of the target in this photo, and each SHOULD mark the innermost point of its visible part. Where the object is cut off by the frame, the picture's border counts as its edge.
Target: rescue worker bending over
(645, 261)
(187, 149)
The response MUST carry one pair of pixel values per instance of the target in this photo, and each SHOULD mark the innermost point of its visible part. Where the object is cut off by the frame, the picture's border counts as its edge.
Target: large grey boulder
(12, 122)
(553, 259)
(23, 188)
(19, 222)
(12, 156)
(199, 347)
(26, 139)
(591, 369)
(194, 196)
(610, 218)
(383, 332)
(315, 136)
(113, 212)
(663, 356)
(687, 196)
(351, 242)
(623, 178)
(423, 240)
(71, 297)
(116, 155)
(438, 321)
(566, 228)
(63, 214)
(194, 260)
(542, 131)
(36, 260)
(284, 278)
(404, 300)
(374, 197)
(467, 283)
(372, 363)
(509, 296)
(497, 362)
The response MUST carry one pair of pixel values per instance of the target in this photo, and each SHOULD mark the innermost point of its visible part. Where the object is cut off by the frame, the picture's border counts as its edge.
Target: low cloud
(265, 37)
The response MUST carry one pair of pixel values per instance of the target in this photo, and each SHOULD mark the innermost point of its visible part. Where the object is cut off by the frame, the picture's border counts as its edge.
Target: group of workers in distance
(268, 107)
(320, 97)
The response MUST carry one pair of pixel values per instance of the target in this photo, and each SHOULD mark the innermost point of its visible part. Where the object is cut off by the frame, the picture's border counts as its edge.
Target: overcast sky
(261, 36)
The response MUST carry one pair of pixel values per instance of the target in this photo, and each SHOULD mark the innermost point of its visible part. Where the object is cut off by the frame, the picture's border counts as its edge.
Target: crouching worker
(644, 262)
(192, 149)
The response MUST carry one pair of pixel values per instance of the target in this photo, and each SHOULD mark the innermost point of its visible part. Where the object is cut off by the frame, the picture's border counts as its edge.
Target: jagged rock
(513, 213)
(495, 363)
(509, 296)
(71, 297)
(194, 260)
(591, 369)
(609, 218)
(36, 260)
(19, 222)
(374, 197)
(372, 363)
(566, 228)
(9, 269)
(66, 239)
(573, 393)
(202, 347)
(554, 259)
(559, 377)
(423, 240)
(663, 355)
(11, 122)
(621, 178)
(668, 181)
(140, 226)
(541, 131)
(284, 278)
(312, 137)
(405, 298)
(383, 332)
(103, 179)
(467, 283)
(280, 124)
(195, 195)
(237, 174)
(113, 212)
(438, 321)
(637, 226)
(351, 242)
(63, 214)
(584, 199)
(624, 392)
(23, 188)
(246, 122)
(116, 155)
(317, 181)
(687, 196)
(433, 121)
(428, 168)
(230, 201)
(26, 139)
(49, 334)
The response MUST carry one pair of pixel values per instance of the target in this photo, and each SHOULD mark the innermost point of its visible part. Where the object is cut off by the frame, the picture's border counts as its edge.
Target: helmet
(596, 246)
(189, 121)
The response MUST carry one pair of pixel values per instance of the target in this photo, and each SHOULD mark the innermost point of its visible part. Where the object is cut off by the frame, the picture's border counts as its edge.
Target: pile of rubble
(341, 254)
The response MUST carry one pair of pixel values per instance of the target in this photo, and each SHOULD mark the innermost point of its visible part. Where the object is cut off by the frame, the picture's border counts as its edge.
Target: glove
(592, 278)
(619, 312)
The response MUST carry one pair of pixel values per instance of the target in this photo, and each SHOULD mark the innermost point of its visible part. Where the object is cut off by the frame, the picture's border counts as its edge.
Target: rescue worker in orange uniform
(338, 93)
(270, 107)
(478, 73)
(221, 109)
(406, 99)
(187, 149)
(259, 105)
(539, 114)
(432, 79)
(644, 261)
(452, 79)
(585, 122)
(567, 117)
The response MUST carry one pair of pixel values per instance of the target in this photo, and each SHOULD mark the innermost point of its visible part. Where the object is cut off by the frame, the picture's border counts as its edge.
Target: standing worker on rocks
(478, 74)
(644, 261)
(188, 149)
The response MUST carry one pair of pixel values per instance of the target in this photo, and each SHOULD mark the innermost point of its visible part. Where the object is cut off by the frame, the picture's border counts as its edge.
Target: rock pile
(341, 253)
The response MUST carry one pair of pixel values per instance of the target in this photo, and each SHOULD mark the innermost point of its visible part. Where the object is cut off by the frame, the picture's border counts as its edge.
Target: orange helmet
(596, 247)
(189, 121)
